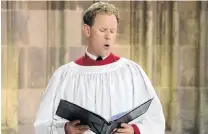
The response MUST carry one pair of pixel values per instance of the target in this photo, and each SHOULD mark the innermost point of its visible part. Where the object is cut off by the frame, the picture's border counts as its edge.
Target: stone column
(188, 90)
(203, 70)
(175, 113)
(55, 35)
(152, 48)
(10, 57)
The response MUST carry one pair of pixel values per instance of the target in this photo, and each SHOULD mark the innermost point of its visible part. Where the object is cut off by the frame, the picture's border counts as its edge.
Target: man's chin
(104, 54)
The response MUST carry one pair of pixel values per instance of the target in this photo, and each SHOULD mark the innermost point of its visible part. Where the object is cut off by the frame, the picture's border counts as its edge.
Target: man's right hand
(73, 128)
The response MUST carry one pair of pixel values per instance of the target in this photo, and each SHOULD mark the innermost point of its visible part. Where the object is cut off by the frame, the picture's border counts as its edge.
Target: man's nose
(107, 36)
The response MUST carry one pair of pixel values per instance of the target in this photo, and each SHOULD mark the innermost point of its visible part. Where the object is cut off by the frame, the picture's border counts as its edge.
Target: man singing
(100, 81)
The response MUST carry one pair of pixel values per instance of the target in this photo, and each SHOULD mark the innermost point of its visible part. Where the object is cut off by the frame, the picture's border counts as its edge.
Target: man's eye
(102, 30)
(112, 31)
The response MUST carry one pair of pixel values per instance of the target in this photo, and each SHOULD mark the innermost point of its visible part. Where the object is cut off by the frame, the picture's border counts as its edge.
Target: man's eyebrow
(102, 28)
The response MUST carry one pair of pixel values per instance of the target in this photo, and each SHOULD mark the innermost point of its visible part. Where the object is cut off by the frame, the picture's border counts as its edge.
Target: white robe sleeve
(153, 121)
(45, 123)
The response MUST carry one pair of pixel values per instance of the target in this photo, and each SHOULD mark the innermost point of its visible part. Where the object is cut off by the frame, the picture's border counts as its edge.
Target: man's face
(102, 34)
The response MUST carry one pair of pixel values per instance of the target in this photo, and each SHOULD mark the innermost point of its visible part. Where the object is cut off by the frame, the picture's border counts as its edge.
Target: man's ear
(86, 30)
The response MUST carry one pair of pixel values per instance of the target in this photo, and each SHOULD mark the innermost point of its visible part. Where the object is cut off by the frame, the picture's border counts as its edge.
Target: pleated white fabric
(106, 90)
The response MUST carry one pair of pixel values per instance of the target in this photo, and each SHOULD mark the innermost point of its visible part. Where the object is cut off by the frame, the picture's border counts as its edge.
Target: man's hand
(73, 128)
(126, 129)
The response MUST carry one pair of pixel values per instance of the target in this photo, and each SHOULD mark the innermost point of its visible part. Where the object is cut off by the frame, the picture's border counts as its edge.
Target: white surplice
(106, 90)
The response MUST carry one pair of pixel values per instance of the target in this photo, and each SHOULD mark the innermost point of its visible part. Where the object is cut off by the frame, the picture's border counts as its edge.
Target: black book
(98, 124)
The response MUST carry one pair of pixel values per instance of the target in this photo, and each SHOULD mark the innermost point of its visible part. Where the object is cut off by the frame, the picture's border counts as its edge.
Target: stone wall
(168, 39)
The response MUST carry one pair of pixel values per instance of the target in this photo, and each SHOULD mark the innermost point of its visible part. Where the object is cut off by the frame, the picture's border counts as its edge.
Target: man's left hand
(125, 129)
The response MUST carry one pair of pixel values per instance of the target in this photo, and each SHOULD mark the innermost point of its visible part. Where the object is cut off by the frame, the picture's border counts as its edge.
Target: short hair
(97, 8)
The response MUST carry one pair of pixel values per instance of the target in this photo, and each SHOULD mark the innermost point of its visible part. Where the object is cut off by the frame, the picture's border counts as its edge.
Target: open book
(98, 124)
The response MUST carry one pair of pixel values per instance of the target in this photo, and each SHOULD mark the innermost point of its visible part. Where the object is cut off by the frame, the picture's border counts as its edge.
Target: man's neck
(92, 56)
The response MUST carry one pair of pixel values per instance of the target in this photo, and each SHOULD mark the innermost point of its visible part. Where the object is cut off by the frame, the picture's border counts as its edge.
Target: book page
(117, 116)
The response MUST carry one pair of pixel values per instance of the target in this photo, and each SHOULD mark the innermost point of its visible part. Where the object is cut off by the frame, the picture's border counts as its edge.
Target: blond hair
(99, 8)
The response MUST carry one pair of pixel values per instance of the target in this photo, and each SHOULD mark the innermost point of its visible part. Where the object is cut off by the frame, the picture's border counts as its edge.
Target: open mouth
(106, 45)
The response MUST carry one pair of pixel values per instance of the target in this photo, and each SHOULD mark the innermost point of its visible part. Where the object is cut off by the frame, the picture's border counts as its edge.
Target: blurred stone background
(168, 39)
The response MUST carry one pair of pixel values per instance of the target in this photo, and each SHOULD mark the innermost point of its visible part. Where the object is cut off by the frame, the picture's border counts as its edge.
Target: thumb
(73, 123)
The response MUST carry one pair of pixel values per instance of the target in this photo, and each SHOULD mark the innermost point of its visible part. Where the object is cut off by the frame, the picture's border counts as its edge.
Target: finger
(82, 127)
(114, 131)
(118, 133)
(121, 130)
(124, 125)
(73, 123)
(80, 131)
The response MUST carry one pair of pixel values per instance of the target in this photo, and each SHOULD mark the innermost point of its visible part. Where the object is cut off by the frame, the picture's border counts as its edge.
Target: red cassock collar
(87, 61)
